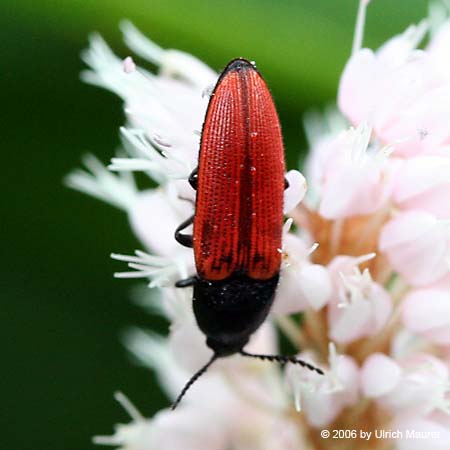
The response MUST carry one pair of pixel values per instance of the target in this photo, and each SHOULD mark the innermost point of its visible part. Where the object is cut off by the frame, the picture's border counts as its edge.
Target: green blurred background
(62, 312)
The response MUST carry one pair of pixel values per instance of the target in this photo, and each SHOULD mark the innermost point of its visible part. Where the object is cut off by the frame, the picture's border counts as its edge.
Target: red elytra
(238, 216)
(239, 207)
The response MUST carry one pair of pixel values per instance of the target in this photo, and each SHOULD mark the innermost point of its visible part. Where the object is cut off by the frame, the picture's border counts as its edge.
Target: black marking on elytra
(257, 258)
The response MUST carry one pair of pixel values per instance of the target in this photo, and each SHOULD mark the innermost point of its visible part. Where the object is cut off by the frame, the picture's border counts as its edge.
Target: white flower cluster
(374, 294)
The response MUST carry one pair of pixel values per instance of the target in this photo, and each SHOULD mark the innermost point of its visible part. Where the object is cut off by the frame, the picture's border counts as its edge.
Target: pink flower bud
(355, 181)
(416, 386)
(423, 183)
(360, 306)
(379, 375)
(427, 312)
(417, 246)
(399, 91)
(302, 284)
(322, 398)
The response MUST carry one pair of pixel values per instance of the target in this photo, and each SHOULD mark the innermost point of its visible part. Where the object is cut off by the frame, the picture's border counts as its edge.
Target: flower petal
(379, 375)
(423, 183)
(416, 244)
(294, 194)
(427, 312)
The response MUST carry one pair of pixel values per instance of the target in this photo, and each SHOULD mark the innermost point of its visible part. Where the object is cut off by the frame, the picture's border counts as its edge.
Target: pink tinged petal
(315, 284)
(382, 307)
(360, 307)
(404, 343)
(368, 79)
(379, 375)
(417, 246)
(423, 386)
(321, 409)
(323, 405)
(345, 265)
(397, 50)
(427, 312)
(294, 194)
(360, 319)
(321, 398)
(278, 434)
(350, 192)
(421, 174)
(405, 96)
(350, 324)
(356, 88)
(348, 374)
(422, 127)
(423, 183)
(316, 160)
(302, 284)
(288, 297)
(428, 366)
(356, 180)
(323, 133)
(439, 335)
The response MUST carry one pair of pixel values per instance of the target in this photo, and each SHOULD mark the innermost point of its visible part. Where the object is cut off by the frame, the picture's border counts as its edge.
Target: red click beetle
(238, 216)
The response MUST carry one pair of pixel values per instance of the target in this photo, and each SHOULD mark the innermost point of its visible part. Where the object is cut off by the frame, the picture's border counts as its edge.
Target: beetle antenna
(194, 378)
(284, 360)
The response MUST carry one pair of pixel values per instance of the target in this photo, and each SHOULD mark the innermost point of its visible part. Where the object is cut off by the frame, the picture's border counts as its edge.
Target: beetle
(238, 220)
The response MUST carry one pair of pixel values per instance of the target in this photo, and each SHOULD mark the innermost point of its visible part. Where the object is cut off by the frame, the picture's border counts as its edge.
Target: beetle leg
(186, 282)
(193, 178)
(184, 239)
(286, 183)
